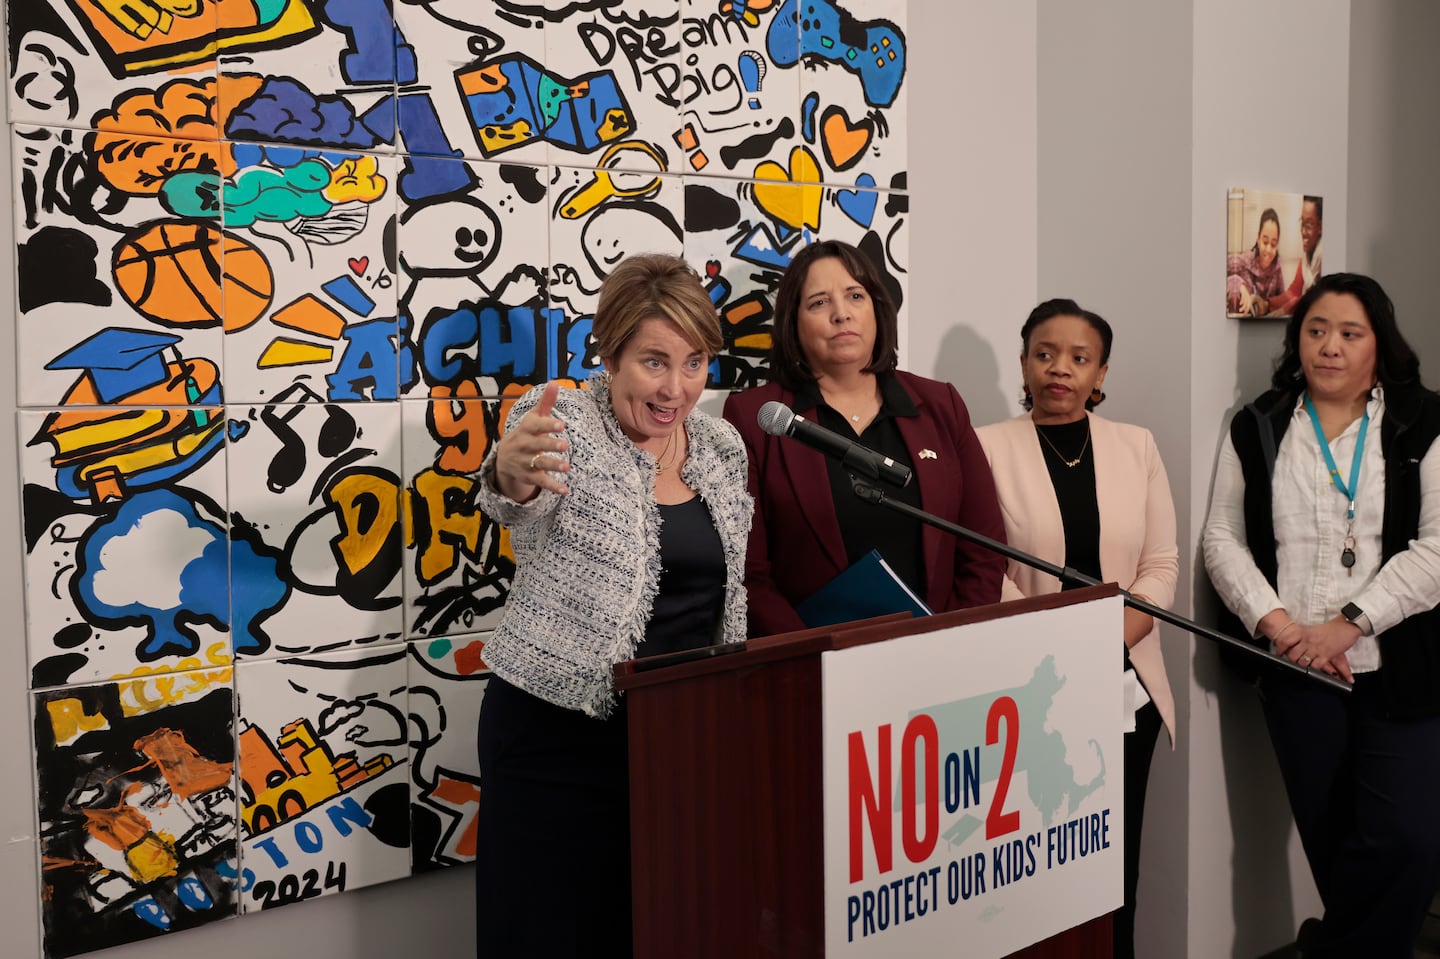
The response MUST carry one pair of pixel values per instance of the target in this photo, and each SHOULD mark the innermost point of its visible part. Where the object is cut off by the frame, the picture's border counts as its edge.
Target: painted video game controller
(873, 50)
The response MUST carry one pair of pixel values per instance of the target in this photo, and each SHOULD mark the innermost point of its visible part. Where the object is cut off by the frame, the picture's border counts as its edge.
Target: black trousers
(1365, 793)
(1139, 750)
(553, 858)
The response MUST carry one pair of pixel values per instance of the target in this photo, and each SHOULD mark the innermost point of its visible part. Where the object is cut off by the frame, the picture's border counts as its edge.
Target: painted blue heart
(859, 203)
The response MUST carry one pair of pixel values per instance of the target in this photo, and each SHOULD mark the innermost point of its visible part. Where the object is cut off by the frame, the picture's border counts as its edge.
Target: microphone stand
(1065, 574)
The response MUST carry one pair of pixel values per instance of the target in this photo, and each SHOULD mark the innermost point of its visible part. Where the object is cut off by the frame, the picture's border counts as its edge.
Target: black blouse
(691, 597)
(1075, 492)
(866, 526)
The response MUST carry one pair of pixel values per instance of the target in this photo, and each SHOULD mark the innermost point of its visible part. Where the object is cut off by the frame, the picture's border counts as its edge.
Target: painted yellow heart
(790, 196)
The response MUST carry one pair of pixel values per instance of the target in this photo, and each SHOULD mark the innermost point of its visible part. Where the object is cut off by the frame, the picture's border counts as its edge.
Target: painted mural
(282, 266)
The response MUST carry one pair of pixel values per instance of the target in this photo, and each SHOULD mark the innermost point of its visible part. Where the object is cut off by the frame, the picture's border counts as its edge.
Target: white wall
(1270, 108)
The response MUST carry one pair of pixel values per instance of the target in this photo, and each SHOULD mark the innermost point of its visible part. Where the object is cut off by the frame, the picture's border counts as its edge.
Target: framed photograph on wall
(1273, 250)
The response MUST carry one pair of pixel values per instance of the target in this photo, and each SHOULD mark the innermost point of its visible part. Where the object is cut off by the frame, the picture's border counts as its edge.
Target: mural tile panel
(447, 684)
(125, 535)
(137, 807)
(458, 563)
(315, 488)
(322, 745)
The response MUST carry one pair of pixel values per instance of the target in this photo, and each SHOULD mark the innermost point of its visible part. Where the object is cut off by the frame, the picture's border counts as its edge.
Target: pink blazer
(1137, 525)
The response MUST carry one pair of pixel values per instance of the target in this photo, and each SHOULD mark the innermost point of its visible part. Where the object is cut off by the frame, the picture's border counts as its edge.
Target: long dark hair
(1274, 218)
(787, 358)
(1395, 362)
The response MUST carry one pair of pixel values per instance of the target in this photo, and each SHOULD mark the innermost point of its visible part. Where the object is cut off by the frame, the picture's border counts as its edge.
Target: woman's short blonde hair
(652, 285)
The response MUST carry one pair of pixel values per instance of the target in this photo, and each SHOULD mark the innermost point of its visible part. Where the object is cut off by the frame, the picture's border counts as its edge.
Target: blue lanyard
(1347, 491)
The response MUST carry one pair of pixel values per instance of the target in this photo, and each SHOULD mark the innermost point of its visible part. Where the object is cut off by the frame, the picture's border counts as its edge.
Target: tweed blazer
(587, 564)
(796, 545)
(1137, 525)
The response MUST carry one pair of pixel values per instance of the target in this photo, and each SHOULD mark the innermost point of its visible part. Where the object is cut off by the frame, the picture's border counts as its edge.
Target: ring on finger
(532, 461)
(1308, 660)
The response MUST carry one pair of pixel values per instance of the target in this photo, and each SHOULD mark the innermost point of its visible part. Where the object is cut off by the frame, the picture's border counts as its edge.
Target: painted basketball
(182, 273)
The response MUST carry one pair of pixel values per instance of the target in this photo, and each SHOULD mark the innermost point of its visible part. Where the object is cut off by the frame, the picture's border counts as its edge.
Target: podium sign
(973, 788)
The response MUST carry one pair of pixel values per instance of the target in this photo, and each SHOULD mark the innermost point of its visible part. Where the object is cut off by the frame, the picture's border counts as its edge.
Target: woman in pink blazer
(1091, 494)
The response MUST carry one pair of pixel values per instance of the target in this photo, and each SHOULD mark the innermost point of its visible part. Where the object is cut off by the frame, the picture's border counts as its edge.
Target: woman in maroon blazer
(833, 360)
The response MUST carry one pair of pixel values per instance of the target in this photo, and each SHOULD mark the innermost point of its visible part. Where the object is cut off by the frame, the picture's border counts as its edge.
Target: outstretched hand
(525, 460)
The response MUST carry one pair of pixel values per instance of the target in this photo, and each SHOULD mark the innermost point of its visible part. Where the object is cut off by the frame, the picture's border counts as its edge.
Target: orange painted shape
(188, 773)
(844, 142)
(741, 312)
(310, 315)
(458, 421)
(484, 80)
(248, 283)
(119, 828)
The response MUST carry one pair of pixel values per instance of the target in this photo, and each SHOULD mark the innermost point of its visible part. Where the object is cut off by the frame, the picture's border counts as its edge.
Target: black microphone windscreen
(775, 418)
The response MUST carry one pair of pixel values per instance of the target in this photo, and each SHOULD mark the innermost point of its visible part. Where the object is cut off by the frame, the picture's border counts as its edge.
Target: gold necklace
(660, 466)
(1078, 457)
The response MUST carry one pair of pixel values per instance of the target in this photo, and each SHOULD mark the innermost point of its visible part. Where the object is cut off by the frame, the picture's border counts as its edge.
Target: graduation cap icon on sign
(120, 362)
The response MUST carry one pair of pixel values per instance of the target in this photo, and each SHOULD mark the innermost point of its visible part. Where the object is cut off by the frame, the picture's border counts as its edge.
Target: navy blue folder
(868, 588)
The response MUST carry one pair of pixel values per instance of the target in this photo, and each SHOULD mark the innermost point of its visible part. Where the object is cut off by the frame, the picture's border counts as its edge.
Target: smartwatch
(1355, 616)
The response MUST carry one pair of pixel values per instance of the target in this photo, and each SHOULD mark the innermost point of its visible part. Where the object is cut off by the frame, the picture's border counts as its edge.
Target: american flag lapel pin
(928, 455)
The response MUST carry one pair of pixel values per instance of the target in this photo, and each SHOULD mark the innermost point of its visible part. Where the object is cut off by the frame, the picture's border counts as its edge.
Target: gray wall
(1114, 190)
(1269, 111)
(1394, 142)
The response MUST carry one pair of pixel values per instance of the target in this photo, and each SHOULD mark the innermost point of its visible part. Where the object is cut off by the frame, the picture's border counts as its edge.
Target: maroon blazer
(795, 542)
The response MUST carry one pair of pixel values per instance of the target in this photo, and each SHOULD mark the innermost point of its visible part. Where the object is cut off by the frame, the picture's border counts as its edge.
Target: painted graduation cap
(121, 362)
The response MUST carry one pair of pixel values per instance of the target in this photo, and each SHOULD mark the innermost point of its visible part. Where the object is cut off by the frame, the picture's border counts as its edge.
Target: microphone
(777, 419)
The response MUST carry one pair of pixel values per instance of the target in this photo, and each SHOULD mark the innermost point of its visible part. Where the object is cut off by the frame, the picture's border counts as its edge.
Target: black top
(866, 526)
(1075, 492)
(691, 597)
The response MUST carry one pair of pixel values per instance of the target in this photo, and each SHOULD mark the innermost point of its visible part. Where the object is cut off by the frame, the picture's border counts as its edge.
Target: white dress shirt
(1309, 516)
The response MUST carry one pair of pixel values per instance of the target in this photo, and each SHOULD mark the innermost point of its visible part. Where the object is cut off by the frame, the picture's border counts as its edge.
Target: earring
(1096, 397)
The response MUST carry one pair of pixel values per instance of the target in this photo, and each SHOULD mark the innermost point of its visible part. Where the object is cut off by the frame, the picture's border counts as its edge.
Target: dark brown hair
(787, 357)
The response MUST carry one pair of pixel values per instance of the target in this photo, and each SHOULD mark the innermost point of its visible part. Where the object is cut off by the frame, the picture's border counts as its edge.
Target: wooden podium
(727, 780)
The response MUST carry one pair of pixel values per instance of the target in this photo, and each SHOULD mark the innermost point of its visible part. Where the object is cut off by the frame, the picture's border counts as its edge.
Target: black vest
(1409, 651)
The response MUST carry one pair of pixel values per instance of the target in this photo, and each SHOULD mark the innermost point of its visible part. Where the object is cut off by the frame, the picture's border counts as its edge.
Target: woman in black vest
(1324, 541)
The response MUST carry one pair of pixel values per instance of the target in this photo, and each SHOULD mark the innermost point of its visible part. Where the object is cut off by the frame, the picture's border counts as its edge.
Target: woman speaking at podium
(629, 517)
(833, 360)
(1081, 491)
(1324, 539)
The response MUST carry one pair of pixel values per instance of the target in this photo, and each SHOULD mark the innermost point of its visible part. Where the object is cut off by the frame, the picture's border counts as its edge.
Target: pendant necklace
(660, 465)
(1078, 456)
(1347, 545)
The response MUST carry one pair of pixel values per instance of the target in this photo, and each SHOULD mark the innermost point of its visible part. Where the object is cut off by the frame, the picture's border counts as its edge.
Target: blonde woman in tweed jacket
(629, 517)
